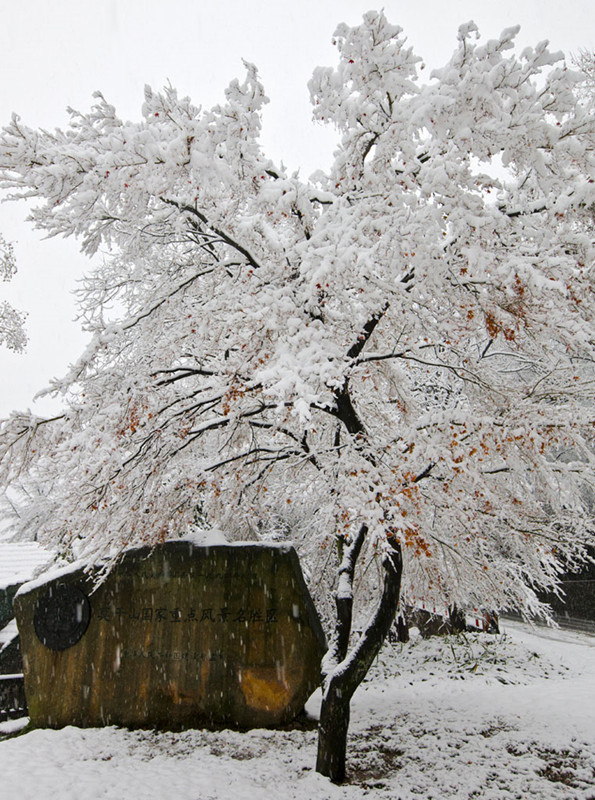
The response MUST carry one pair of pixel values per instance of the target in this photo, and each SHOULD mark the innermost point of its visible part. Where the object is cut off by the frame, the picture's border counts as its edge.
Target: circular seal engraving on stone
(61, 616)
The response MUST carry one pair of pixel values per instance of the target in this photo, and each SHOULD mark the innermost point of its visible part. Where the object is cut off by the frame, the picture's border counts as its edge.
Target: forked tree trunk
(343, 671)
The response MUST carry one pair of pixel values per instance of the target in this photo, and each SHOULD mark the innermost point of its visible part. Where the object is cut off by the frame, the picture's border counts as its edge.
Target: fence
(13, 703)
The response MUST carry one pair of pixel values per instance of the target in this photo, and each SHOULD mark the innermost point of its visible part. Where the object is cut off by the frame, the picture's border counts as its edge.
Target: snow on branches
(404, 345)
(12, 334)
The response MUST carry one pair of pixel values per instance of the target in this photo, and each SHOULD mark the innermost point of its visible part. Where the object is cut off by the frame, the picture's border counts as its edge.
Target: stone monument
(176, 636)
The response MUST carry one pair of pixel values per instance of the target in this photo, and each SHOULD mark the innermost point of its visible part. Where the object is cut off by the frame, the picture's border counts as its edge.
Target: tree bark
(344, 671)
(332, 734)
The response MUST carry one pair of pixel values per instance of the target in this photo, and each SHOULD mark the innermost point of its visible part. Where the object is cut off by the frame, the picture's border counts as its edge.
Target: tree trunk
(457, 619)
(344, 671)
(332, 734)
(402, 628)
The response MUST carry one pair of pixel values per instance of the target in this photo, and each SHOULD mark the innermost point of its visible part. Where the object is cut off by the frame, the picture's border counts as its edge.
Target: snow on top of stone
(213, 537)
(56, 571)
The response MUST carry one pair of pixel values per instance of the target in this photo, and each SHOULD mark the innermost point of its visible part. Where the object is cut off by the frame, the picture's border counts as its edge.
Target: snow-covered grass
(499, 718)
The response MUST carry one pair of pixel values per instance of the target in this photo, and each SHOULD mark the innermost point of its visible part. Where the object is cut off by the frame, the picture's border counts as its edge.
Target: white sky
(54, 55)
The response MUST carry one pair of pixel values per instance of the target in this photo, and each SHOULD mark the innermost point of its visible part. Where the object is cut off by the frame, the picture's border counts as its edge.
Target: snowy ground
(472, 717)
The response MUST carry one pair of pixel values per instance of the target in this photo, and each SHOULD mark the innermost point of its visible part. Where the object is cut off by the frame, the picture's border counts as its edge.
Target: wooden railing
(13, 703)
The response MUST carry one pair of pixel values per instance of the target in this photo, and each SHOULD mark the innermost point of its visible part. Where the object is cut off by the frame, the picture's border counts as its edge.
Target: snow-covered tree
(391, 363)
(12, 333)
(585, 62)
